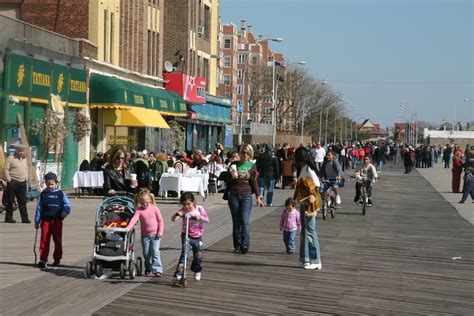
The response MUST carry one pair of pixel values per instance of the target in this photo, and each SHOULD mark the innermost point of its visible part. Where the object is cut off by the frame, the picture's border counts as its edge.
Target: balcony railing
(21, 31)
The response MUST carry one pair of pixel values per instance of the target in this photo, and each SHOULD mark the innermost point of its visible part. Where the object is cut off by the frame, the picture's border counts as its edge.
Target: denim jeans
(269, 185)
(309, 242)
(196, 245)
(240, 208)
(379, 165)
(289, 240)
(151, 254)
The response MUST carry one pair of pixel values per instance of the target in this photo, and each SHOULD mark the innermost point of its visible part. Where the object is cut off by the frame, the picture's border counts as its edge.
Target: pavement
(440, 179)
(25, 290)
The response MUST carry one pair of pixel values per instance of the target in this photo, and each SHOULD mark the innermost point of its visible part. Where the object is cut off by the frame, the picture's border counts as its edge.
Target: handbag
(225, 196)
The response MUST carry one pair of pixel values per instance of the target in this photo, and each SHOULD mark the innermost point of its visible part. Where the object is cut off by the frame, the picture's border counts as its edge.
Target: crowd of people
(247, 171)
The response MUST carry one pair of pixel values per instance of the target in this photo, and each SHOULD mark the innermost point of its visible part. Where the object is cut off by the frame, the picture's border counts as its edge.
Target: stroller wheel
(122, 270)
(132, 270)
(88, 270)
(139, 266)
(99, 270)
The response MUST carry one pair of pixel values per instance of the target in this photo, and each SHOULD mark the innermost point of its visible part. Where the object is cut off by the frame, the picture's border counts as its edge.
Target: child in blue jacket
(53, 207)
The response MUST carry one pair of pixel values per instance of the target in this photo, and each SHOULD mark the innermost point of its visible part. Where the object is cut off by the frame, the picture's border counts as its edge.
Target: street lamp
(303, 107)
(278, 40)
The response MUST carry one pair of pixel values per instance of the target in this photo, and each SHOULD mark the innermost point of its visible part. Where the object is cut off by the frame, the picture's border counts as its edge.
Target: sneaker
(237, 250)
(369, 203)
(290, 252)
(360, 202)
(356, 199)
(56, 263)
(42, 265)
(10, 220)
(306, 265)
(244, 250)
(197, 276)
(148, 273)
(313, 266)
(338, 199)
(177, 277)
(158, 274)
(26, 221)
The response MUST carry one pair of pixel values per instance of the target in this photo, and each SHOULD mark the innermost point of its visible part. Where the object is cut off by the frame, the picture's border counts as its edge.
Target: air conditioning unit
(200, 29)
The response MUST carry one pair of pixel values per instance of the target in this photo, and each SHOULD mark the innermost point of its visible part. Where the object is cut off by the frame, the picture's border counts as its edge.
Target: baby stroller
(113, 245)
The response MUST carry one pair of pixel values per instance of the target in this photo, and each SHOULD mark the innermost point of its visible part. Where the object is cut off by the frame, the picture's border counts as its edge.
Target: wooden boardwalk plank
(395, 260)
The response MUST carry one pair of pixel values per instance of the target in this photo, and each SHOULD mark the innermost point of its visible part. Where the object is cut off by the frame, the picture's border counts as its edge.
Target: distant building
(371, 130)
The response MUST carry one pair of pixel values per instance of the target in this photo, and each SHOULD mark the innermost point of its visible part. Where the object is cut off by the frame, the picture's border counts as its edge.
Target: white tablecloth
(186, 183)
(88, 179)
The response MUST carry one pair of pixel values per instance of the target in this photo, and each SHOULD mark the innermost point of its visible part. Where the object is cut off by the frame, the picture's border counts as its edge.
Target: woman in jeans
(310, 255)
(242, 184)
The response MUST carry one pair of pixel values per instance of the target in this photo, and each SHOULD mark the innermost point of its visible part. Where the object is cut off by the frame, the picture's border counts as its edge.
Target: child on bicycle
(365, 171)
(289, 224)
(197, 217)
(152, 227)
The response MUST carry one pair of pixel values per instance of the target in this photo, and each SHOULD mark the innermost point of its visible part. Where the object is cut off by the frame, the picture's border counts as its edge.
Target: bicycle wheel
(325, 209)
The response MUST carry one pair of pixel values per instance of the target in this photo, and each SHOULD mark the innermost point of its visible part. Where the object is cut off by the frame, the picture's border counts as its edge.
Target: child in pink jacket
(197, 217)
(289, 224)
(152, 227)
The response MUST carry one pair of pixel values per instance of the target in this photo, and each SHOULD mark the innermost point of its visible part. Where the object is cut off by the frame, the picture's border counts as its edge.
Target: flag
(280, 65)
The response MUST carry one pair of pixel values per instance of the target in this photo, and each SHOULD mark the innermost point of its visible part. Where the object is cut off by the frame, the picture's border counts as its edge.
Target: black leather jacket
(118, 180)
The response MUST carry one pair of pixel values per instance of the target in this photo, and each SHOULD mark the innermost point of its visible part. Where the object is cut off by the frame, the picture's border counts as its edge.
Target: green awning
(211, 112)
(106, 91)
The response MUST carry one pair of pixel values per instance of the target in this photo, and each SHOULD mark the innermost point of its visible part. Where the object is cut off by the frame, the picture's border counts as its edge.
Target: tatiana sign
(191, 89)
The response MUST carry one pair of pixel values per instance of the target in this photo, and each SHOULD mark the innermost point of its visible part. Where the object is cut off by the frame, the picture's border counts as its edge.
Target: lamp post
(277, 39)
(303, 107)
(326, 129)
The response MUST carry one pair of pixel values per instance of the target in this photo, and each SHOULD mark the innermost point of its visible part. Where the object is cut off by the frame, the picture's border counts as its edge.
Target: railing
(21, 31)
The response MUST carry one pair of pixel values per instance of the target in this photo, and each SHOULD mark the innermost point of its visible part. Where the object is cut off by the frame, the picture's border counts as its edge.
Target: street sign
(240, 108)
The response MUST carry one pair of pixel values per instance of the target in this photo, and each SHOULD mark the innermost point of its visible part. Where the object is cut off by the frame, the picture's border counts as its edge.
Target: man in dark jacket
(268, 172)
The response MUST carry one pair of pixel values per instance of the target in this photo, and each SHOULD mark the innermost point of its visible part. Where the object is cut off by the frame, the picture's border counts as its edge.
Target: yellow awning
(109, 106)
(135, 116)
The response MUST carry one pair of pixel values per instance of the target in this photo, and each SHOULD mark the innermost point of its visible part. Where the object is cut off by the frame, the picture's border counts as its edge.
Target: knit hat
(50, 176)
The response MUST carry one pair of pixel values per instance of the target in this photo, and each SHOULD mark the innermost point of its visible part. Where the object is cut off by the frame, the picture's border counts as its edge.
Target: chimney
(249, 28)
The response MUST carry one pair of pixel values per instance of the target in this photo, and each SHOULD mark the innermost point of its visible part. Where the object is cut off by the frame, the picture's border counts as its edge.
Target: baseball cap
(50, 176)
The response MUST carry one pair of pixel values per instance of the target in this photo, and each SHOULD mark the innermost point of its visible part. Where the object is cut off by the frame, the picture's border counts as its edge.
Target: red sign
(191, 89)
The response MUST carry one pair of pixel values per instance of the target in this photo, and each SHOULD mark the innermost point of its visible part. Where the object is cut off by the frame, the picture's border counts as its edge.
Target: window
(239, 89)
(254, 60)
(227, 43)
(227, 95)
(227, 61)
(267, 115)
(240, 58)
(105, 35)
(240, 74)
(207, 17)
(227, 80)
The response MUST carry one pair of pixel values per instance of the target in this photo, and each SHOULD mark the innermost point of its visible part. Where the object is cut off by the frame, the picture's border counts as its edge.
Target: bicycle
(364, 193)
(328, 200)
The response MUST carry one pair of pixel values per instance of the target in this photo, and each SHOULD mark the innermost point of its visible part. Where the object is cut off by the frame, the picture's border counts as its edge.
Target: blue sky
(377, 53)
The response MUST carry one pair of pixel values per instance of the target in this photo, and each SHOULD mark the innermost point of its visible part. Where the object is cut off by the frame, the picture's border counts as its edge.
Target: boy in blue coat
(53, 207)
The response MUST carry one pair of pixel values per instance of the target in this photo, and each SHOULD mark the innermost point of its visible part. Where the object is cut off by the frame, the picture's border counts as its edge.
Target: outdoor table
(184, 183)
(87, 179)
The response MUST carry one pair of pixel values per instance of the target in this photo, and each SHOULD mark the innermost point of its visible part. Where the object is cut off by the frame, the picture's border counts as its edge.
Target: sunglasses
(120, 158)
(245, 153)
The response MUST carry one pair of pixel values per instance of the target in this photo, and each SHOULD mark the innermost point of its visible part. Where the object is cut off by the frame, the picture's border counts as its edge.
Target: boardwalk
(396, 260)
